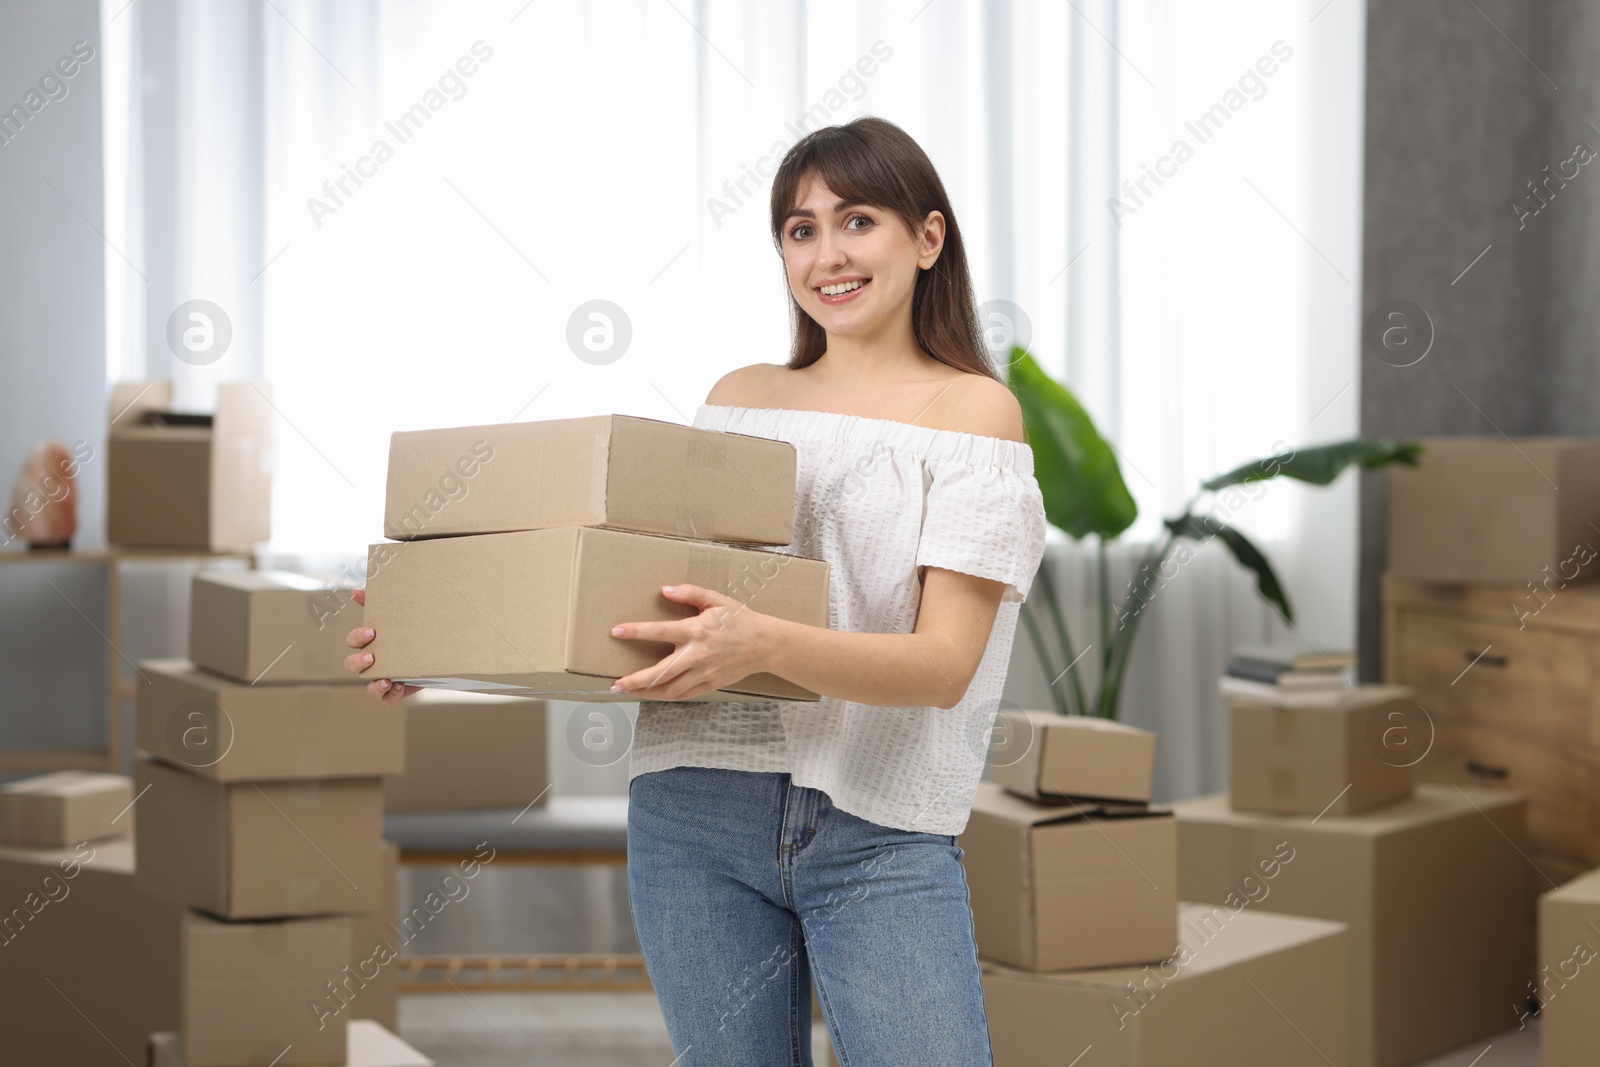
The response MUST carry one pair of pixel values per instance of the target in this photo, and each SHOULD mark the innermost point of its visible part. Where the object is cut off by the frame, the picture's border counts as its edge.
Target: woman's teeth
(844, 287)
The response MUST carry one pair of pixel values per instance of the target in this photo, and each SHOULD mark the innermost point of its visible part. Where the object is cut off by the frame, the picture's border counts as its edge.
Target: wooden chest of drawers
(1510, 681)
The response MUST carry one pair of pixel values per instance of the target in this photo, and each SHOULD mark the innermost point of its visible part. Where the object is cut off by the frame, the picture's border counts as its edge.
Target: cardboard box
(1075, 756)
(370, 985)
(270, 627)
(178, 480)
(259, 850)
(76, 936)
(1486, 509)
(615, 471)
(228, 731)
(254, 992)
(1243, 989)
(369, 1044)
(531, 613)
(1074, 885)
(470, 750)
(1309, 759)
(1568, 982)
(1437, 897)
(65, 807)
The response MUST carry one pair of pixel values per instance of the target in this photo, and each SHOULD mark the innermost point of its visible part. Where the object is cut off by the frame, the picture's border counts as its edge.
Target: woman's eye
(795, 233)
(858, 218)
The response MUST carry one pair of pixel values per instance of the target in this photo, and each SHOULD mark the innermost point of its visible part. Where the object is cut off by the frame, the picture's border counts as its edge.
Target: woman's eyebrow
(807, 213)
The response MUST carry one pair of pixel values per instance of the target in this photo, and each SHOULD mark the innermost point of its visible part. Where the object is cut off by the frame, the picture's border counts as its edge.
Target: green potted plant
(1084, 495)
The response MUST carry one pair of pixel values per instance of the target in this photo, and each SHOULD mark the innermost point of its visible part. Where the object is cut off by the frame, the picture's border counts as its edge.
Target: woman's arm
(932, 665)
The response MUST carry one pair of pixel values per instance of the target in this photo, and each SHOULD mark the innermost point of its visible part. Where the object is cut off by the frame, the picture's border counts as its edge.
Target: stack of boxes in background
(260, 798)
(522, 544)
(1568, 982)
(1085, 948)
(1491, 611)
(79, 941)
(1428, 879)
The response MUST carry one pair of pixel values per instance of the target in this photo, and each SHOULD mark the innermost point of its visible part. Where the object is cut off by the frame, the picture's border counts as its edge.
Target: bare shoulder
(746, 387)
(977, 404)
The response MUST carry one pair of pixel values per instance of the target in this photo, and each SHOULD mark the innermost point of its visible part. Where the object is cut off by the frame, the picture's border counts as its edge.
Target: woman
(771, 844)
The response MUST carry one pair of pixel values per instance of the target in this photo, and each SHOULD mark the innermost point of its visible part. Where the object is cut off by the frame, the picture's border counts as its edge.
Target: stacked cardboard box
(1568, 983)
(1429, 880)
(521, 545)
(260, 786)
(370, 1045)
(1068, 865)
(78, 942)
(470, 750)
(63, 808)
(1486, 509)
(1242, 988)
(183, 480)
(1341, 751)
(1073, 879)
(1437, 898)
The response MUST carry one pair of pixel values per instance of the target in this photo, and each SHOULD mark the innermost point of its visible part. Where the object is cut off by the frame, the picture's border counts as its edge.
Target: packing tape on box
(544, 500)
(711, 567)
(696, 522)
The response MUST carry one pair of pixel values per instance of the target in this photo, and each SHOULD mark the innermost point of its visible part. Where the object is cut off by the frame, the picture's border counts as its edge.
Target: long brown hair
(874, 161)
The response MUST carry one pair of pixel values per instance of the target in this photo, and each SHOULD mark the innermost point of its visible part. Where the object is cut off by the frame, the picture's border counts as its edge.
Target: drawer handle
(1484, 658)
(1485, 771)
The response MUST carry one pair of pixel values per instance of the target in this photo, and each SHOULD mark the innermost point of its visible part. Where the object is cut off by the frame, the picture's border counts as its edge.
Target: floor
(625, 1030)
(544, 909)
(547, 1029)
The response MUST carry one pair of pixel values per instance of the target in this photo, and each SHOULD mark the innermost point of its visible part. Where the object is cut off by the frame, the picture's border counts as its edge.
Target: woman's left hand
(725, 642)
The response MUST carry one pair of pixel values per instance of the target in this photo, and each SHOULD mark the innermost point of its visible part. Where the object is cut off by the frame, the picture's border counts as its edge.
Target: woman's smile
(836, 298)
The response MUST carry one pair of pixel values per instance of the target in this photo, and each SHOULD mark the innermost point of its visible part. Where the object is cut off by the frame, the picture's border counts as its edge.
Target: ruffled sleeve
(984, 518)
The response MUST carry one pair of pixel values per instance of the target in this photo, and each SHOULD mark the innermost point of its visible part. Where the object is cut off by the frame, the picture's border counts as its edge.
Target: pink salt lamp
(44, 508)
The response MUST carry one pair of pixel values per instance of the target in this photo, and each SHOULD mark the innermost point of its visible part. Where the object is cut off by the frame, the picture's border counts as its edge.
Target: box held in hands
(615, 471)
(530, 613)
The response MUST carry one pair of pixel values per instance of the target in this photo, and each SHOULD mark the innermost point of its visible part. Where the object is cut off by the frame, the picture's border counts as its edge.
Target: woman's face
(864, 250)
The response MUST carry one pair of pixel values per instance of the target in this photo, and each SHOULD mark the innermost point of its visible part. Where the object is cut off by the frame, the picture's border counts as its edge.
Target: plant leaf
(1322, 464)
(1204, 528)
(1076, 468)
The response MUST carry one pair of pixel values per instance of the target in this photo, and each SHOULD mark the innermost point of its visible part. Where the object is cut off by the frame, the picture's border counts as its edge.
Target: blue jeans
(745, 888)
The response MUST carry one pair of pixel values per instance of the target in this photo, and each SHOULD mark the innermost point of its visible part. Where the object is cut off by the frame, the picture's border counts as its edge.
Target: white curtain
(414, 205)
(1213, 319)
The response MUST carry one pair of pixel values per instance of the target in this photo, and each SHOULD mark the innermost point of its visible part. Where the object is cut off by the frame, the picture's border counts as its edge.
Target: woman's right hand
(388, 689)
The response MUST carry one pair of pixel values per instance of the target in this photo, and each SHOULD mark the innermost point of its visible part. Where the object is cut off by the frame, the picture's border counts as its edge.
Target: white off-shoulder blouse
(879, 500)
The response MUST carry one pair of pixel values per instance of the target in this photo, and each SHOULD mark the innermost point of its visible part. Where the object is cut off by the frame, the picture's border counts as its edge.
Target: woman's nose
(830, 249)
